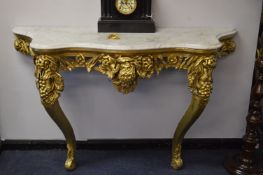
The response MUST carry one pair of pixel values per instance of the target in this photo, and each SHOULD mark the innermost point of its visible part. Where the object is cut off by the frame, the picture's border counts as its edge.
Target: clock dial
(126, 7)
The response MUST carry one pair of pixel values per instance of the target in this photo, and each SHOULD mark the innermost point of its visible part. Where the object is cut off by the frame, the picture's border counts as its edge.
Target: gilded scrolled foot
(70, 164)
(177, 161)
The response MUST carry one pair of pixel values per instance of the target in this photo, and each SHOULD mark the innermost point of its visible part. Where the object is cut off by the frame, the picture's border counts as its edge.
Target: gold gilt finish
(114, 36)
(124, 69)
(22, 45)
(227, 48)
(58, 116)
(49, 81)
(50, 84)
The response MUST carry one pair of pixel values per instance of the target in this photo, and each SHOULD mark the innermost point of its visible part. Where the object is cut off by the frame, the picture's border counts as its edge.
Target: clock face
(126, 7)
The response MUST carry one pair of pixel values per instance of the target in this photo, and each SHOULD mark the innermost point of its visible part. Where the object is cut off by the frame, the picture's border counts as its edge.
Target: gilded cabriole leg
(200, 83)
(50, 85)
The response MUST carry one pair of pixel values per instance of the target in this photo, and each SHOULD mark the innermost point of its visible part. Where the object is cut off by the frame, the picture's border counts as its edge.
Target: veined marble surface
(165, 38)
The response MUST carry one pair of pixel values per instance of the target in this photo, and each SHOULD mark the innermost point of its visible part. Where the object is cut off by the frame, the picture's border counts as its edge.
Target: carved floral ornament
(124, 70)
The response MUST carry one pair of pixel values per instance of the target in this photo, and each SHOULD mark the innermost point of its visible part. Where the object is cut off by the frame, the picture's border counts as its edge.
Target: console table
(124, 58)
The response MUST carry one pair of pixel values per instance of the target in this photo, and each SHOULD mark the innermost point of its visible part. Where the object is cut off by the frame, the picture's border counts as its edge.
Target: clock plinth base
(127, 26)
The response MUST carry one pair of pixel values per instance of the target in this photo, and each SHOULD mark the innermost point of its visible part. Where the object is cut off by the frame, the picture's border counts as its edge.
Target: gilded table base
(124, 69)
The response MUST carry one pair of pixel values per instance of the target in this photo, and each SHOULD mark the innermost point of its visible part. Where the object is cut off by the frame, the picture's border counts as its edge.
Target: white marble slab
(164, 38)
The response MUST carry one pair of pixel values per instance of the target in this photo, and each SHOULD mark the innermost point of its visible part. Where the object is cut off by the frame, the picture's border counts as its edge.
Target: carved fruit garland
(49, 82)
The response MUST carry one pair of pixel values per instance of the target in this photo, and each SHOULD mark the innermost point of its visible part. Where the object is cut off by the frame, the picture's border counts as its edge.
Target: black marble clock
(126, 16)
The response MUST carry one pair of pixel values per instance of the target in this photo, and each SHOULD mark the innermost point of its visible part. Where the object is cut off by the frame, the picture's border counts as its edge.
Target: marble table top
(46, 38)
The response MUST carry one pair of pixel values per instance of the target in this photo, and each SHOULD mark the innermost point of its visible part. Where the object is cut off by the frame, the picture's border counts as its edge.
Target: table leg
(200, 82)
(192, 114)
(50, 84)
(58, 116)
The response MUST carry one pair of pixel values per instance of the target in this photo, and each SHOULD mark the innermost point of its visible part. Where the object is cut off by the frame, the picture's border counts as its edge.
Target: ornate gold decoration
(114, 36)
(23, 46)
(125, 69)
(49, 81)
(228, 47)
(200, 76)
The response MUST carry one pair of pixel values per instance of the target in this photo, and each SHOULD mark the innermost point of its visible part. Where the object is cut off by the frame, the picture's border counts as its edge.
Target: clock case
(140, 21)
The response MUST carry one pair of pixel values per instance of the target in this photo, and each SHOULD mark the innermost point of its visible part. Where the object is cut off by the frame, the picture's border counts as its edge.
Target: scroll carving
(49, 82)
(23, 46)
(228, 47)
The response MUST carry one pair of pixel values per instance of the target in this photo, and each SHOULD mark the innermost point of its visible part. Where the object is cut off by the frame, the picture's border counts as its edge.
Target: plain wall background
(95, 108)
